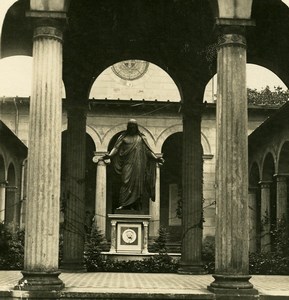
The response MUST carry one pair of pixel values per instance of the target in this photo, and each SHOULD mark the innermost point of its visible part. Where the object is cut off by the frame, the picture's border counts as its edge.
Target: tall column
(265, 216)
(2, 200)
(252, 219)
(282, 194)
(44, 155)
(156, 205)
(74, 206)
(100, 195)
(232, 213)
(192, 218)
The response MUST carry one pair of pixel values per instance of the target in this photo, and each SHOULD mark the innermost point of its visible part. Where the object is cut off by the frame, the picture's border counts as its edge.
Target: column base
(40, 281)
(229, 287)
(193, 269)
(72, 265)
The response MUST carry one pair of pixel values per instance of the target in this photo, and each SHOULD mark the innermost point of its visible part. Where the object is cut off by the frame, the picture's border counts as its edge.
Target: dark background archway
(12, 209)
(171, 186)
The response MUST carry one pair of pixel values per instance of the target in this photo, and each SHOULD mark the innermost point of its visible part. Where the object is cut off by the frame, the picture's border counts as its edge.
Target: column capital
(97, 157)
(3, 183)
(265, 184)
(48, 24)
(232, 39)
(281, 176)
(231, 32)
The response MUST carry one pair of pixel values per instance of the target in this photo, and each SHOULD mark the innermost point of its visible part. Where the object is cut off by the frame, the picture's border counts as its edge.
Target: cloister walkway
(141, 286)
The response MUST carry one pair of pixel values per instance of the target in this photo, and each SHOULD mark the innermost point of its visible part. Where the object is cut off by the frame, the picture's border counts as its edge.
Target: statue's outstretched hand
(105, 157)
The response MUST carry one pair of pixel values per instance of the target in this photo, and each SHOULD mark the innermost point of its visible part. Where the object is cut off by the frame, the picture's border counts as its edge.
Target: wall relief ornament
(130, 69)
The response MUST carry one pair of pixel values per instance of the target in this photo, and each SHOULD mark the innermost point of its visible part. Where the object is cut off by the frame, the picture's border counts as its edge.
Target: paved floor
(148, 283)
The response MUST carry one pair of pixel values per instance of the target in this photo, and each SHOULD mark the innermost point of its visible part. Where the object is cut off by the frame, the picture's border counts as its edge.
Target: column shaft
(44, 155)
(282, 198)
(232, 244)
(74, 212)
(192, 218)
(100, 195)
(155, 207)
(232, 211)
(265, 217)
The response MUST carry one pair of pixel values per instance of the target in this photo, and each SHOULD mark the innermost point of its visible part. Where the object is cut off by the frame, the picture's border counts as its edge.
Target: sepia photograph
(144, 149)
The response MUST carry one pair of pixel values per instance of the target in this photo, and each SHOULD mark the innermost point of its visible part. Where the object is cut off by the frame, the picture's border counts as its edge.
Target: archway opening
(255, 208)
(136, 80)
(11, 207)
(283, 172)
(268, 176)
(171, 188)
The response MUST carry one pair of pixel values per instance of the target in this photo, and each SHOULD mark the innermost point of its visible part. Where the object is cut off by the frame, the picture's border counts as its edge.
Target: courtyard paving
(141, 286)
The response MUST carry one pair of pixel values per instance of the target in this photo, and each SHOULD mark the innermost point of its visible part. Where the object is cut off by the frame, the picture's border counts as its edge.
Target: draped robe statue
(135, 162)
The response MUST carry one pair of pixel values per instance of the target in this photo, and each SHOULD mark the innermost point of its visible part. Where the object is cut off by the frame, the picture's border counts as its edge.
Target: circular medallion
(130, 69)
(129, 236)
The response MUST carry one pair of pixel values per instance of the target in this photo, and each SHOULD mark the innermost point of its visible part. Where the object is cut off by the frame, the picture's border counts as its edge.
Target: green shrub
(268, 263)
(95, 244)
(208, 254)
(275, 262)
(160, 244)
(11, 248)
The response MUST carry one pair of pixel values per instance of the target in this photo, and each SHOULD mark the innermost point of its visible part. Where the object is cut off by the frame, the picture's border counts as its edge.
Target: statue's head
(132, 127)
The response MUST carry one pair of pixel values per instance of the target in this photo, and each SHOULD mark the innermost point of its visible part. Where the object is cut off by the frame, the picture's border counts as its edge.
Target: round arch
(283, 158)
(268, 167)
(150, 59)
(179, 128)
(135, 79)
(254, 175)
(2, 168)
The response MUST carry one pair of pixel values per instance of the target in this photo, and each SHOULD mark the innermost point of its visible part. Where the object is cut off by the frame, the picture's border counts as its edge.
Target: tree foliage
(266, 97)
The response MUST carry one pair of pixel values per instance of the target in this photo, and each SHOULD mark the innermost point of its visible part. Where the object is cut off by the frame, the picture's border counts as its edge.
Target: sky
(16, 72)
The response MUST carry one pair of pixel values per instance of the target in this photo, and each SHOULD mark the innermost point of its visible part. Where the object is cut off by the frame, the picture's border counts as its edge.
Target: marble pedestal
(129, 235)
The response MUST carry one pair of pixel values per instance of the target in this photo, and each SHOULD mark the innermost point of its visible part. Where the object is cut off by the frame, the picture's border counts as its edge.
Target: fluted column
(192, 217)
(232, 213)
(44, 155)
(265, 216)
(100, 195)
(155, 205)
(282, 194)
(252, 219)
(74, 206)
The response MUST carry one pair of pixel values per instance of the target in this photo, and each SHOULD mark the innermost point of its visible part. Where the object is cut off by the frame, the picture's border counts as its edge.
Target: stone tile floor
(147, 283)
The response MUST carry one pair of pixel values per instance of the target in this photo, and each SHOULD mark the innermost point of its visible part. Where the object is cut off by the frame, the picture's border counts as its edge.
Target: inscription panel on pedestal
(129, 237)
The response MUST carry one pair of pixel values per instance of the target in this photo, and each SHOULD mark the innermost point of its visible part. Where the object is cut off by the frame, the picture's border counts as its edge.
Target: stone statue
(135, 162)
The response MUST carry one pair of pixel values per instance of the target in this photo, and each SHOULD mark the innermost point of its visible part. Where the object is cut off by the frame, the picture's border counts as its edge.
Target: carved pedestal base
(40, 281)
(193, 269)
(230, 287)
